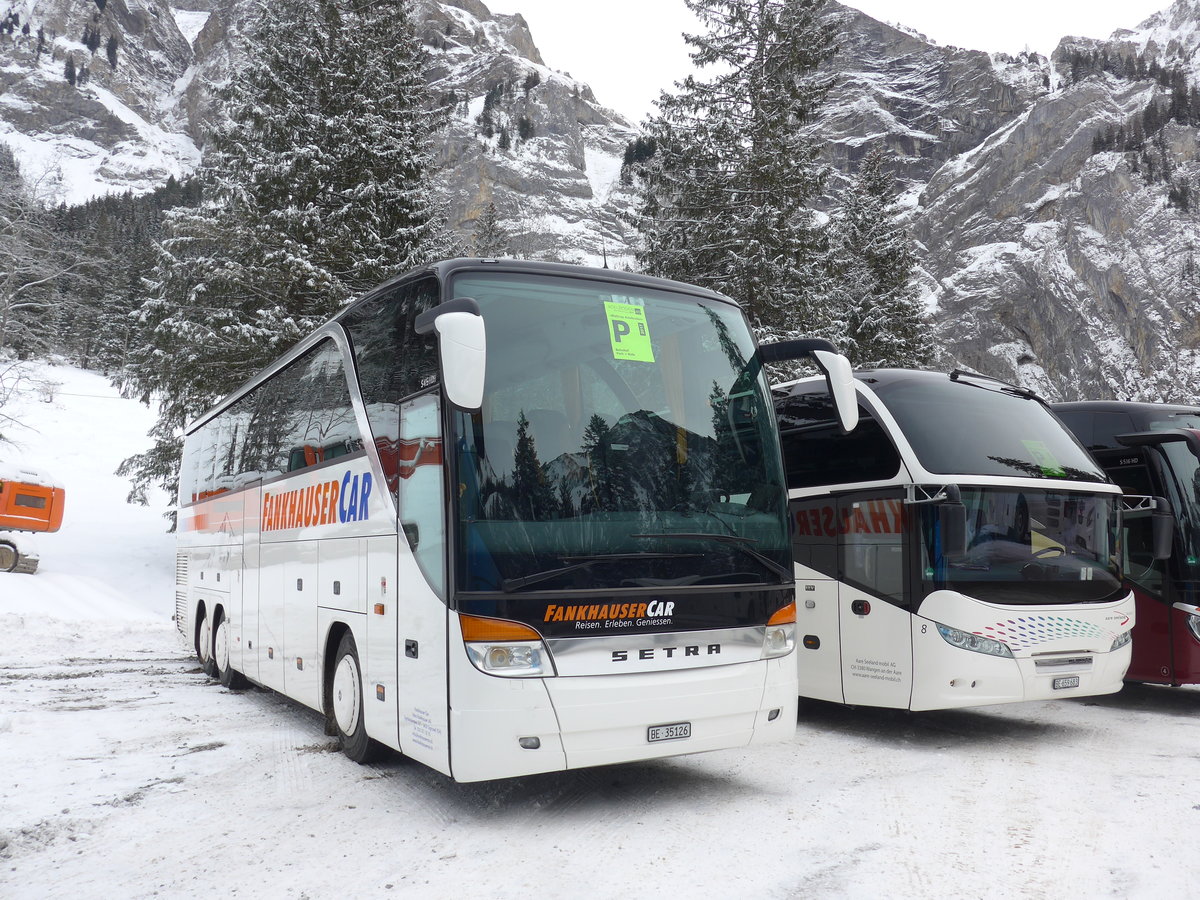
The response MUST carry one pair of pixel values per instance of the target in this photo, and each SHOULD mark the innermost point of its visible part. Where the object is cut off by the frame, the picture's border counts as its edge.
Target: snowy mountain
(1055, 249)
(1051, 256)
(522, 135)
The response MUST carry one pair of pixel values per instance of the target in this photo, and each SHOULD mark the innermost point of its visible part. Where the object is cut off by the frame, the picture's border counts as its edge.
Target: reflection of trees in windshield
(1036, 470)
(642, 462)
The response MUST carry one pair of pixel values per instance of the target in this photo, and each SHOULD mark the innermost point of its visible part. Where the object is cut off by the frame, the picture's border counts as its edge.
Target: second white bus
(959, 548)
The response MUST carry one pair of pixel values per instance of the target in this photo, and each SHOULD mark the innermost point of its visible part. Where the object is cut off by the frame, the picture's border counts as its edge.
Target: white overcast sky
(629, 50)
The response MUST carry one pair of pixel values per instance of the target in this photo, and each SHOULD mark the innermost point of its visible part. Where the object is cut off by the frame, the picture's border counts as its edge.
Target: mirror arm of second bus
(952, 514)
(1163, 516)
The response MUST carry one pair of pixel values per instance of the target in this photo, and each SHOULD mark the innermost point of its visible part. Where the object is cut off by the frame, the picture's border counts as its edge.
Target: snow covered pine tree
(727, 194)
(317, 188)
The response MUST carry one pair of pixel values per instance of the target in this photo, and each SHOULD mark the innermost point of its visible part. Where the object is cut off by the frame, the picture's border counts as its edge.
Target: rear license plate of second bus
(674, 732)
(1067, 681)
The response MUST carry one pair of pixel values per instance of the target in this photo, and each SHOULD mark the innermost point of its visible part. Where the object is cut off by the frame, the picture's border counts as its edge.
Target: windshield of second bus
(1184, 494)
(619, 443)
(1028, 546)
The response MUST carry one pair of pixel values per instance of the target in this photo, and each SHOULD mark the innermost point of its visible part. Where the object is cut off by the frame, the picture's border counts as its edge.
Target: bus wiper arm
(736, 539)
(577, 563)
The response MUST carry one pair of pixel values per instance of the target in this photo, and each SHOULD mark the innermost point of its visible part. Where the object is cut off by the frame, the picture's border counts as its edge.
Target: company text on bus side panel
(328, 503)
(870, 517)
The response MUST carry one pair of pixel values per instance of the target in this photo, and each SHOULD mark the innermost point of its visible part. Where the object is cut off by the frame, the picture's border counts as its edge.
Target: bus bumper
(604, 719)
(955, 678)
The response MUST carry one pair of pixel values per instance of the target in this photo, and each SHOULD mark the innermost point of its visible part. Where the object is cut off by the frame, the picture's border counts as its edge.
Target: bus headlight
(1193, 624)
(504, 647)
(523, 659)
(779, 640)
(965, 640)
(780, 637)
(1123, 639)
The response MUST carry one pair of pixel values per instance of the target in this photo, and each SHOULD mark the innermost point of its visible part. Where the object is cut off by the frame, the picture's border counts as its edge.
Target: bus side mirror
(838, 374)
(1163, 520)
(952, 523)
(462, 349)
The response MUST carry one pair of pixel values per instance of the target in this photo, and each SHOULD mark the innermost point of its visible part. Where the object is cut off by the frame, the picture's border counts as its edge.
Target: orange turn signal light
(479, 628)
(785, 616)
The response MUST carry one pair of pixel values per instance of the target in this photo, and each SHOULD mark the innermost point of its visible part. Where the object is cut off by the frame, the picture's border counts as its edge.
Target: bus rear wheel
(204, 645)
(226, 674)
(346, 704)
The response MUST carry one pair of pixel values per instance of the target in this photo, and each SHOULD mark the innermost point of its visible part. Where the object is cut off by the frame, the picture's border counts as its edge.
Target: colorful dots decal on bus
(1029, 631)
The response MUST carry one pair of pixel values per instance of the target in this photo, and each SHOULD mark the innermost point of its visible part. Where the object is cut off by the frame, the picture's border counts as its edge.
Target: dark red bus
(1154, 449)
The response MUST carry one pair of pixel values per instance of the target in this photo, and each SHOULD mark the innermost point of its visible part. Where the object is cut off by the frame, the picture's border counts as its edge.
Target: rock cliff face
(1048, 258)
(923, 102)
(542, 148)
(1044, 261)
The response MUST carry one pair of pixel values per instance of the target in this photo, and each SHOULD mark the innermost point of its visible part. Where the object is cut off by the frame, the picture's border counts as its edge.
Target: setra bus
(506, 518)
(1154, 449)
(958, 549)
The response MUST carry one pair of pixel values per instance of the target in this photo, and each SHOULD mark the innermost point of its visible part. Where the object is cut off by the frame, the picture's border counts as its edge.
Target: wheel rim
(205, 639)
(346, 691)
(221, 645)
(8, 557)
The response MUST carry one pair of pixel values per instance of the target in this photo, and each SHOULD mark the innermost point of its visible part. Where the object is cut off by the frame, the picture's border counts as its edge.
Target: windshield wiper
(1003, 386)
(508, 585)
(735, 539)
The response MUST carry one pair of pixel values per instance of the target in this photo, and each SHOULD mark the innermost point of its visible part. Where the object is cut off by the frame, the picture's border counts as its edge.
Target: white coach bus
(505, 518)
(960, 548)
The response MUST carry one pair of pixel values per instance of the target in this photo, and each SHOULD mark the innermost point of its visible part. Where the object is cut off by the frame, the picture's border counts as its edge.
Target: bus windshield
(959, 428)
(1184, 494)
(620, 443)
(1028, 546)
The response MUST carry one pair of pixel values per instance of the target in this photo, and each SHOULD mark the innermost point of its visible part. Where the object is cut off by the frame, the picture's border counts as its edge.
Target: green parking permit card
(1044, 458)
(629, 331)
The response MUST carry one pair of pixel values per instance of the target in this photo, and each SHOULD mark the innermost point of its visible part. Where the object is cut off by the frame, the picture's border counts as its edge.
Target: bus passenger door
(818, 642)
(420, 598)
(874, 616)
(1152, 638)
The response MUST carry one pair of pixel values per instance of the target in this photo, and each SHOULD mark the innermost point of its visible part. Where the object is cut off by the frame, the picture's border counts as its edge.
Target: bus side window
(872, 545)
(393, 362)
(814, 535)
(815, 451)
(422, 501)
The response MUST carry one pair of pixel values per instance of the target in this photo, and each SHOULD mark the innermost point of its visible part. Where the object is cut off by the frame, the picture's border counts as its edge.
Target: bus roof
(444, 269)
(448, 267)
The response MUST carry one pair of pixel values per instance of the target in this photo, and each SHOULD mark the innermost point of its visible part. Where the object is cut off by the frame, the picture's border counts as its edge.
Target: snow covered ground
(124, 771)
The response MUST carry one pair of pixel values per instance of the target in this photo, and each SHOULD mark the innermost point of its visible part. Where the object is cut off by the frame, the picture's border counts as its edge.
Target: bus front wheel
(347, 704)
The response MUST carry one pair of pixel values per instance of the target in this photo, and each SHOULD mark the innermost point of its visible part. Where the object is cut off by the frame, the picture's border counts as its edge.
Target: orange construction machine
(29, 501)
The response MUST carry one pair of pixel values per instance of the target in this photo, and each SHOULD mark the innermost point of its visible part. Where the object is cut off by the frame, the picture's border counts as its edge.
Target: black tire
(346, 704)
(226, 673)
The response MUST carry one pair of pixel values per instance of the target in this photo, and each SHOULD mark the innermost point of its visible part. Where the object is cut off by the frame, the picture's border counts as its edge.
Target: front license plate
(675, 732)
(1068, 681)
